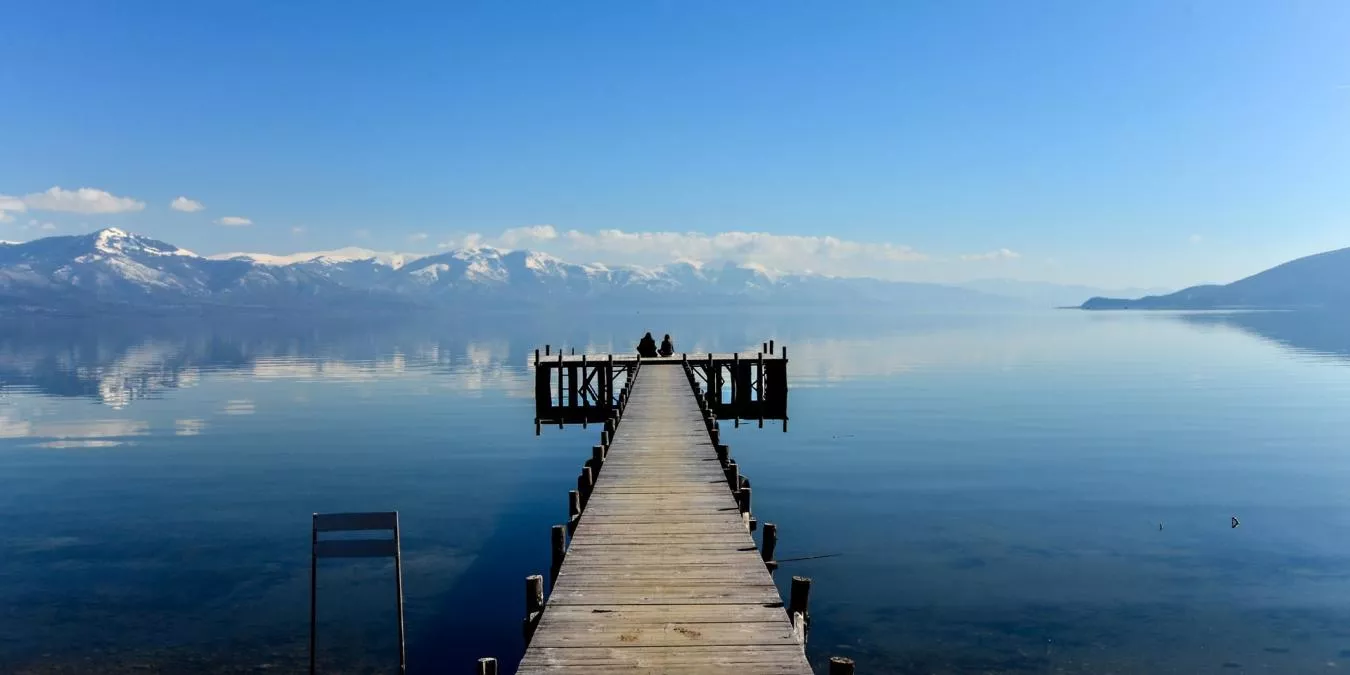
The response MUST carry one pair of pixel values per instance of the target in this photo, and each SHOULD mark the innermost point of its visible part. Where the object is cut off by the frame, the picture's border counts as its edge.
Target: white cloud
(9, 206)
(83, 200)
(47, 227)
(297, 230)
(234, 221)
(186, 205)
(362, 234)
(999, 254)
(517, 236)
(419, 236)
(1195, 239)
(783, 253)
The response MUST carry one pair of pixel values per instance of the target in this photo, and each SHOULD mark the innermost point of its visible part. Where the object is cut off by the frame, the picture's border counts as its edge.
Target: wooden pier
(656, 570)
(583, 388)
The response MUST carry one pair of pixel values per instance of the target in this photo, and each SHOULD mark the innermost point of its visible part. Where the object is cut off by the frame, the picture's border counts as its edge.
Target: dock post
(604, 438)
(487, 666)
(573, 510)
(770, 347)
(534, 603)
(536, 357)
(840, 665)
(770, 542)
(546, 348)
(733, 474)
(559, 549)
(723, 454)
(743, 500)
(598, 456)
(799, 597)
(584, 483)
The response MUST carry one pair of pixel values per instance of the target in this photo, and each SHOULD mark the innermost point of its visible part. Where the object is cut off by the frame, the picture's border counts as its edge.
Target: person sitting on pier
(647, 346)
(667, 347)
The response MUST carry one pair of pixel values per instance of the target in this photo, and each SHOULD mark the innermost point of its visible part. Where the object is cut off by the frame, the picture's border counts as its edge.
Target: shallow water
(1037, 493)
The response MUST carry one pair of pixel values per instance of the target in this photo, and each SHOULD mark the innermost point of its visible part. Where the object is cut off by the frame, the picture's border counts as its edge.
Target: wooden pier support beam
(487, 666)
(573, 509)
(733, 474)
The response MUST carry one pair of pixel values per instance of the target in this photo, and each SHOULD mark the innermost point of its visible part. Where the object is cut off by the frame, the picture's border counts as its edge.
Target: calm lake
(1024, 493)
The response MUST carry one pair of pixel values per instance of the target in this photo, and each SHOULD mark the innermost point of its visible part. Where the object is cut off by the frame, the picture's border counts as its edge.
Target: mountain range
(1320, 281)
(113, 268)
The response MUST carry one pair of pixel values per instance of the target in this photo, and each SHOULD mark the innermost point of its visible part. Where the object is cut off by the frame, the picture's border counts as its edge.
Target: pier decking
(661, 574)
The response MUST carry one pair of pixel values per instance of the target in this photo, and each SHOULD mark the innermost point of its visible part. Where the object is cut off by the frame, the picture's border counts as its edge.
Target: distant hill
(114, 269)
(1320, 281)
(1045, 294)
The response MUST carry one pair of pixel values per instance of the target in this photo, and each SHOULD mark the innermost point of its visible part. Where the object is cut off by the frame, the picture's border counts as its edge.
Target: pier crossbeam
(661, 574)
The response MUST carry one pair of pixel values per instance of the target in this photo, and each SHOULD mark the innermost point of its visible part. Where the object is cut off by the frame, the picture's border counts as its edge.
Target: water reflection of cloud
(13, 427)
(103, 443)
(189, 427)
(238, 407)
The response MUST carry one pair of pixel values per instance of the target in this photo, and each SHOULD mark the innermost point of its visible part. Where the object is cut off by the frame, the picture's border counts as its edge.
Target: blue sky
(1156, 143)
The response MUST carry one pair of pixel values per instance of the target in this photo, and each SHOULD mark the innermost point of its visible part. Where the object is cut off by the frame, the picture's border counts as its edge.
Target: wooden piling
(733, 474)
(597, 456)
(585, 480)
(743, 500)
(799, 597)
(840, 665)
(769, 542)
(534, 604)
(487, 666)
(723, 454)
(559, 550)
(546, 348)
(573, 508)
(771, 347)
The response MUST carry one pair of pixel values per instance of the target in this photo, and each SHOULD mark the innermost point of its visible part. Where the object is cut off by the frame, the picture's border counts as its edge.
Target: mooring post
(799, 597)
(584, 482)
(573, 509)
(598, 456)
(763, 347)
(604, 438)
(840, 665)
(744, 500)
(559, 549)
(723, 454)
(771, 347)
(534, 603)
(770, 542)
(546, 348)
(733, 474)
(487, 666)
(536, 357)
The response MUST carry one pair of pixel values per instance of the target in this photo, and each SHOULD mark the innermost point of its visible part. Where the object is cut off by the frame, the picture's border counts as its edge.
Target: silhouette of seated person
(667, 347)
(647, 346)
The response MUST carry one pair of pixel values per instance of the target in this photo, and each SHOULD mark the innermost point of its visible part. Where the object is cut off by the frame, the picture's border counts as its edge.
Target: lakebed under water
(1045, 492)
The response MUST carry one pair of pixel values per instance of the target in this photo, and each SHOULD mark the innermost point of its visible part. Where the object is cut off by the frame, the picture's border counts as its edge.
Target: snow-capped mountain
(114, 267)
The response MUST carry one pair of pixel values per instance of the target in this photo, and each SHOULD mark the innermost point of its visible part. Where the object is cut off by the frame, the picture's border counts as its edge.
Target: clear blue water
(990, 488)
